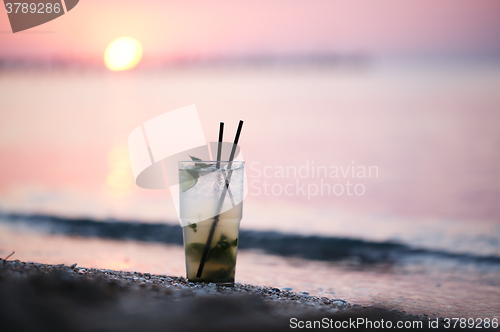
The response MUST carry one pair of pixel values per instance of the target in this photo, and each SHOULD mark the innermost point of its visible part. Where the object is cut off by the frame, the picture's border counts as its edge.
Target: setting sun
(123, 54)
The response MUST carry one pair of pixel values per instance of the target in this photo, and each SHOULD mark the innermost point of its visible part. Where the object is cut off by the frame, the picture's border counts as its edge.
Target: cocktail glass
(211, 195)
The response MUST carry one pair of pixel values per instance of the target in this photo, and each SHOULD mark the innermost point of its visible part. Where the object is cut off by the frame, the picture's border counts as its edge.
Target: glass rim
(211, 161)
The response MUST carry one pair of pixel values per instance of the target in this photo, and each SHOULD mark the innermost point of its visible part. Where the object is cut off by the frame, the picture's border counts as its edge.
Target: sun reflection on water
(120, 179)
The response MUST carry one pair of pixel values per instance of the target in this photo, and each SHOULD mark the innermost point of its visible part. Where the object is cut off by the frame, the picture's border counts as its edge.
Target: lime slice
(187, 181)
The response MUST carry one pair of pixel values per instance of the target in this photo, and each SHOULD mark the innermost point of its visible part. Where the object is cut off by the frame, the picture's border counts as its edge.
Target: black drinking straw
(219, 147)
(223, 195)
(236, 139)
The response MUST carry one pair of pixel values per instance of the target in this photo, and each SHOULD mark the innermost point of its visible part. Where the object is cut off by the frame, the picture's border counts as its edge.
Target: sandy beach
(361, 193)
(41, 297)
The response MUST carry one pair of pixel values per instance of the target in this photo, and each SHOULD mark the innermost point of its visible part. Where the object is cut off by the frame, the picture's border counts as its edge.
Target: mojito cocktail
(211, 195)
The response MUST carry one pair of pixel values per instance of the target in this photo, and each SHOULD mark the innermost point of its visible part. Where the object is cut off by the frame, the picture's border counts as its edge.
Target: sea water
(424, 237)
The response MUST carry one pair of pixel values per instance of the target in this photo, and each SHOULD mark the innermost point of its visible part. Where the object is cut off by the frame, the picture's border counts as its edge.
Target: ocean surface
(375, 182)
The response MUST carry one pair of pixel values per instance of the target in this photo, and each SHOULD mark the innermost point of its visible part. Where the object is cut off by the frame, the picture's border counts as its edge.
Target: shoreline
(83, 299)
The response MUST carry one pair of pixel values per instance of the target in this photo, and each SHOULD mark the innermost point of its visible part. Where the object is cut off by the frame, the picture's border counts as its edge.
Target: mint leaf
(194, 172)
(224, 245)
(193, 227)
(219, 255)
(202, 165)
(194, 250)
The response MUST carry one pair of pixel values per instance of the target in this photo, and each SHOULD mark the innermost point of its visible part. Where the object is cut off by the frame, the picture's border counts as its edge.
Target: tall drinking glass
(211, 195)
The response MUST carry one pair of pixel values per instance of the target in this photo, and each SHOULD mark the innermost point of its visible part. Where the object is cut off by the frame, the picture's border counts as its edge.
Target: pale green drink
(205, 198)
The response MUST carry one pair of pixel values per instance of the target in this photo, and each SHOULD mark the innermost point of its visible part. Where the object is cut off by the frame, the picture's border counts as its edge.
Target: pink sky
(199, 29)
